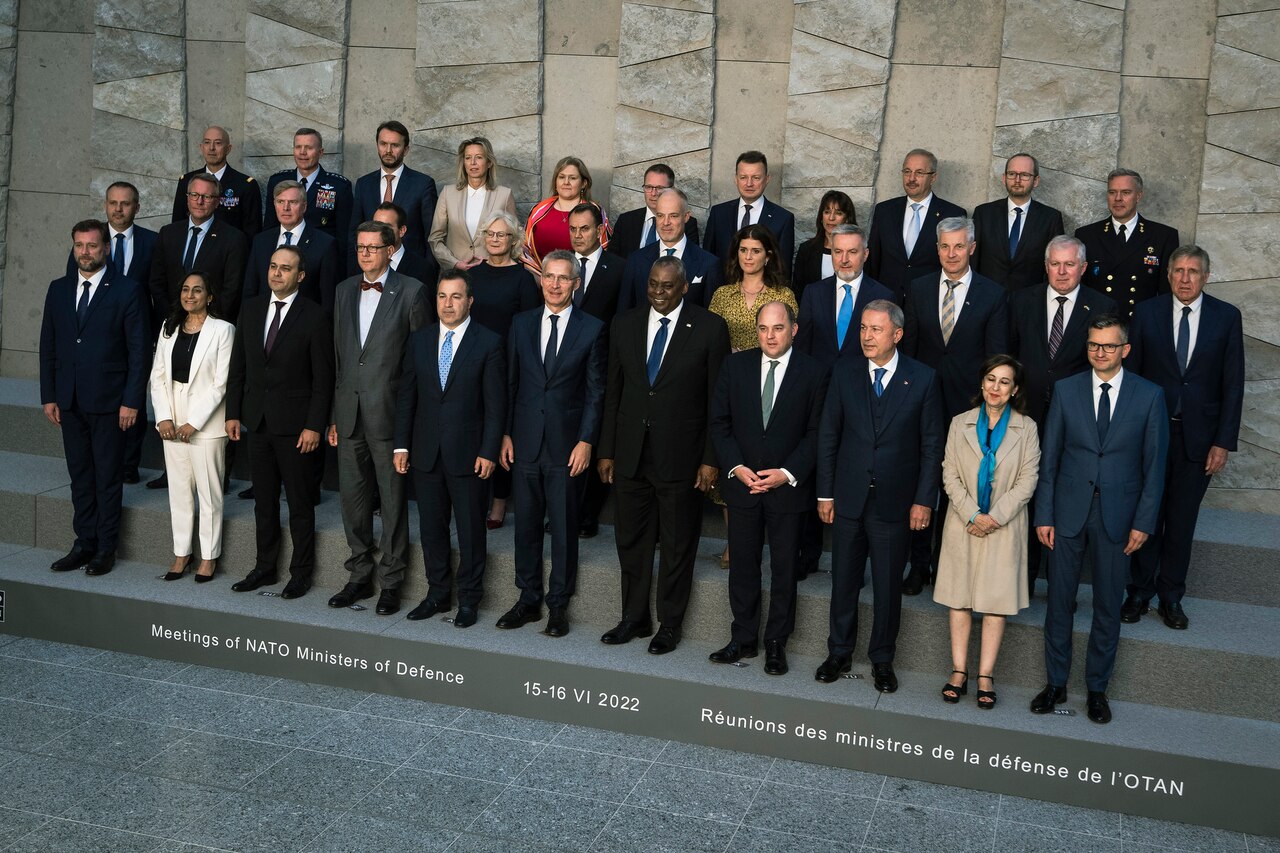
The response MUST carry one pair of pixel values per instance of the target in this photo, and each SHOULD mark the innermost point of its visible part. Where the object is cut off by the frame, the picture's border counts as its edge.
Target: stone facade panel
(1242, 81)
(122, 54)
(1261, 359)
(267, 42)
(510, 30)
(1251, 133)
(269, 131)
(1064, 32)
(1083, 146)
(645, 136)
(473, 93)
(1163, 127)
(854, 115)
(946, 32)
(820, 161)
(139, 147)
(1159, 44)
(326, 18)
(1243, 247)
(1040, 91)
(691, 171)
(158, 99)
(582, 27)
(379, 24)
(679, 86)
(153, 16)
(312, 91)
(649, 32)
(1234, 183)
(867, 25)
(819, 65)
(1258, 300)
(1081, 200)
(1256, 33)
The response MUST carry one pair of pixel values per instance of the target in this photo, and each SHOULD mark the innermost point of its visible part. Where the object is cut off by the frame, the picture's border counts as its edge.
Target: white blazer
(449, 239)
(206, 392)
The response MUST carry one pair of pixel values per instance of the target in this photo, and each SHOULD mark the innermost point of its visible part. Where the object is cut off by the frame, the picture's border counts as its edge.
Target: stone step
(1226, 663)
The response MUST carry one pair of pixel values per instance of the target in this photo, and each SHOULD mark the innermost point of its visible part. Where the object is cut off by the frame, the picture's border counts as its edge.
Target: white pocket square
(697, 279)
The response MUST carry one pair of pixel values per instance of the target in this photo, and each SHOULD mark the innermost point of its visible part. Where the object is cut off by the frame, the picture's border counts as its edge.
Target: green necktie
(766, 398)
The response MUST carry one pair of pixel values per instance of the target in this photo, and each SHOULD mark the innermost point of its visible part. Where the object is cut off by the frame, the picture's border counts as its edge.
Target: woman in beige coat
(989, 471)
(457, 229)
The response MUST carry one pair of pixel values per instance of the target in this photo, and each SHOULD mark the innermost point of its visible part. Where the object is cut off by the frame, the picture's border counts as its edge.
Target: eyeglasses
(559, 279)
(194, 196)
(655, 188)
(365, 250)
(1019, 176)
(916, 173)
(498, 234)
(1109, 349)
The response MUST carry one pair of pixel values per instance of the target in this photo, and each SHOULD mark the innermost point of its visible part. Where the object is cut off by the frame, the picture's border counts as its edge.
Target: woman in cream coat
(989, 471)
(189, 394)
(457, 229)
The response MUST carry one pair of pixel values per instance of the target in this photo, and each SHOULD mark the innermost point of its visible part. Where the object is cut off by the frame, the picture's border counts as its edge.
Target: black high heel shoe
(986, 698)
(951, 693)
(206, 578)
(173, 576)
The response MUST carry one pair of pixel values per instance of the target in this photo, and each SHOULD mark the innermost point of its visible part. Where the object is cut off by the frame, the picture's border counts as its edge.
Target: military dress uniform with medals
(329, 203)
(1128, 270)
(240, 204)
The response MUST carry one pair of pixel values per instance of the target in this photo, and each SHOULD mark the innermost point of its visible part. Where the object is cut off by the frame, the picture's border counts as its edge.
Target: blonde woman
(457, 232)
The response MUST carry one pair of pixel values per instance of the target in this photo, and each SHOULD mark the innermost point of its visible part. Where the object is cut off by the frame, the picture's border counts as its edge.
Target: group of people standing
(442, 348)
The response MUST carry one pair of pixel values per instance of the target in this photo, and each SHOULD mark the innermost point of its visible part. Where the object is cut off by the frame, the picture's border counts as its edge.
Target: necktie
(581, 292)
(670, 252)
(1015, 232)
(189, 259)
(913, 231)
(1184, 339)
(1055, 333)
(288, 238)
(386, 194)
(82, 307)
(549, 356)
(880, 372)
(766, 398)
(746, 217)
(1104, 413)
(845, 315)
(651, 233)
(655, 352)
(274, 328)
(371, 285)
(446, 358)
(949, 311)
(117, 257)
(1120, 233)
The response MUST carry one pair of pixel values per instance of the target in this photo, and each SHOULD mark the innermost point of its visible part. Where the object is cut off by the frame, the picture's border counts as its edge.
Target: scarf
(987, 470)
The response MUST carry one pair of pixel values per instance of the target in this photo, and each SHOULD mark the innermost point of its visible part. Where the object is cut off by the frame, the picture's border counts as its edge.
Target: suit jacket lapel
(460, 354)
(568, 338)
(202, 347)
(100, 295)
(290, 320)
(1080, 317)
(897, 391)
(386, 304)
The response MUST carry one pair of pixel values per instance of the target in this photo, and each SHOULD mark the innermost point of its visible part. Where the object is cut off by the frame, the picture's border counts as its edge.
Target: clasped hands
(982, 525)
(169, 433)
(759, 482)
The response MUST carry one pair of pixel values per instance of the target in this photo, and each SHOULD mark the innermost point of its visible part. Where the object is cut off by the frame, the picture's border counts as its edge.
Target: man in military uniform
(1128, 254)
(240, 204)
(328, 193)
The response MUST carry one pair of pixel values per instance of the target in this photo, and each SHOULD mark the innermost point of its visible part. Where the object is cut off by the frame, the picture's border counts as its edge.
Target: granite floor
(102, 751)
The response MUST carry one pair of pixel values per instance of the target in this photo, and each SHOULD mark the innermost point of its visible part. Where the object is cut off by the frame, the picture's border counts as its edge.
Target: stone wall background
(834, 92)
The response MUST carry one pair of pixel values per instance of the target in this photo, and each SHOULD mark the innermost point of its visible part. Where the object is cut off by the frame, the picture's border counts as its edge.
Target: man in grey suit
(373, 315)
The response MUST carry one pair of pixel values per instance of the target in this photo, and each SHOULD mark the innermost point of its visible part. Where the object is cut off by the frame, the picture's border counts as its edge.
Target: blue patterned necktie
(1015, 233)
(913, 233)
(1184, 339)
(655, 352)
(845, 317)
(446, 358)
(880, 372)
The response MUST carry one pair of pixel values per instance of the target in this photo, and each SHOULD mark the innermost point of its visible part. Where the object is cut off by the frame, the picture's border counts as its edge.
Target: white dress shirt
(908, 214)
(544, 332)
(473, 206)
(369, 300)
(890, 368)
(94, 280)
(1193, 319)
(757, 207)
(128, 246)
(961, 292)
(589, 268)
(295, 231)
(854, 286)
(1113, 393)
(778, 373)
(655, 325)
(457, 338)
(1129, 227)
(1051, 305)
(204, 232)
(271, 312)
(1013, 217)
(828, 268)
(395, 181)
(679, 247)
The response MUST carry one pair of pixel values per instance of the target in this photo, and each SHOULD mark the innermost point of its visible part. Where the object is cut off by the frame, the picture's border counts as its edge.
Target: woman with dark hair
(813, 258)
(457, 230)
(989, 471)
(189, 395)
(548, 225)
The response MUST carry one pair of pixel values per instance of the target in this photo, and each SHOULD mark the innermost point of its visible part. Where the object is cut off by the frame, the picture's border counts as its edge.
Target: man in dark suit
(556, 357)
(450, 416)
(1191, 345)
(764, 422)
(637, 228)
(318, 249)
(897, 254)
(1047, 330)
(703, 269)
(724, 220)
(200, 242)
(374, 314)
(879, 461)
(240, 204)
(956, 319)
(655, 448)
(94, 362)
(422, 267)
(280, 389)
(1128, 253)
(329, 200)
(1013, 232)
(1101, 480)
(414, 191)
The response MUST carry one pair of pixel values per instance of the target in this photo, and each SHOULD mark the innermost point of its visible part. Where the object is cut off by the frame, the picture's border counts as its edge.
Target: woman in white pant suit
(189, 392)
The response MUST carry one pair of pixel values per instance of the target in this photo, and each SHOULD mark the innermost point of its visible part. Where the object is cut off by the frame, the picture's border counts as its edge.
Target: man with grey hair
(1012, 232)
(289, 201)
(1128, 254)
(702, 269)
(879, 465)
(329, 199)
(240, 201)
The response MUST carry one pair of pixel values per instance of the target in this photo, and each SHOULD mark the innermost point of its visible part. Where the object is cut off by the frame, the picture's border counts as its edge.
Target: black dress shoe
(775, 658)
(914, 582)
(520, 615)
(131, 478)
(1132, 609)
(350, 594)
(466, 617)
(161, 482)
(245, 494)
(664, 641)
(733, 652)
(1047, 698)
(1096, 704)
(557, 622)
(296, 588)
(833, 667)
(885, 679)
(102, 562)
(388, 603)
(255, 579)
(76, 559)
(625, 632)
(428, 608)
(1173, 616)
(589, 531)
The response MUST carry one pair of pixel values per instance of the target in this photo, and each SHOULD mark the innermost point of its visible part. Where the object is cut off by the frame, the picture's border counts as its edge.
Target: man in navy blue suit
(1192, 345)
(93, 373)
(414, 191)
(751, 172)
(635, 229)
(1101, 480)
(450, 416)
(556, 357)
(318, 249)
(703, 269)
(328, 193)
(879, 465)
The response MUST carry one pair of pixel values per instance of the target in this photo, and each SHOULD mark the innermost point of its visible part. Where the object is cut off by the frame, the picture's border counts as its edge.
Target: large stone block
(854, 115)
(750, 113)
(684, 5)
(679, 86)
(1163, 127)
(369, 101)
(866, 25)
(1242, 81)
(271, 44)
(327, 18)
(158, 99)
(514, 140)
(803, 202)
(1234, 183)
(142, 148)
(155, 193)
(1159, 44)
(1252, 467)
(312, 91)
(122, 54)
(1251, 133)
(8, 35)
(1240, 7)
(693, 175)
(52, 68)
(1082, 200)
(227, 25)
(819, 161)
(1243, 246)
(647, 33)
(9, 13)
(1260, 420)
(578, 120)
(948, 32)
(6, 147)
(819, 65)
(215, 95)
(56, 16)
(377, 23)
(582, 27)
(640, 135)
(152, 16)
(1258, 301)
(268, 131)
(1261, 359)
(458, 33)
(1256, 33)
(472, 93)
(754, 30)
(1042, 91)
(1085, 146)
(1243, 500)
(1064, 32)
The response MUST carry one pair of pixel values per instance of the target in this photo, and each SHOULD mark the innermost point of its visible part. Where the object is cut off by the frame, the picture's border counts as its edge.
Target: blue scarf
(987, 470)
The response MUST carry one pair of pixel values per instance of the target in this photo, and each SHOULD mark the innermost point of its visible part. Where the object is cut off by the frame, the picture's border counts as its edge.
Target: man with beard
(414, 191)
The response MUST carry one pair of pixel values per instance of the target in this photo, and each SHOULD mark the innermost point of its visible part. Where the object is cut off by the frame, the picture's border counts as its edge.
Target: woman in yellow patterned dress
(754, 277)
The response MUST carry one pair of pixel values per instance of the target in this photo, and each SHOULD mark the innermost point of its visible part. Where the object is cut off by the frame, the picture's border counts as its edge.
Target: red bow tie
(371, 285)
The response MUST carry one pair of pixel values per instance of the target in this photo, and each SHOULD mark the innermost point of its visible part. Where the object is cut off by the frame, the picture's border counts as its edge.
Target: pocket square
(697, 279)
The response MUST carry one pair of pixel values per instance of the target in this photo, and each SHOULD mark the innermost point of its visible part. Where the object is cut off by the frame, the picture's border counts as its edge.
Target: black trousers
(927, 544)
(464, 496)
(543, 489)
(276, 461)
(94, 447)
(747, 528)
(887, 543)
